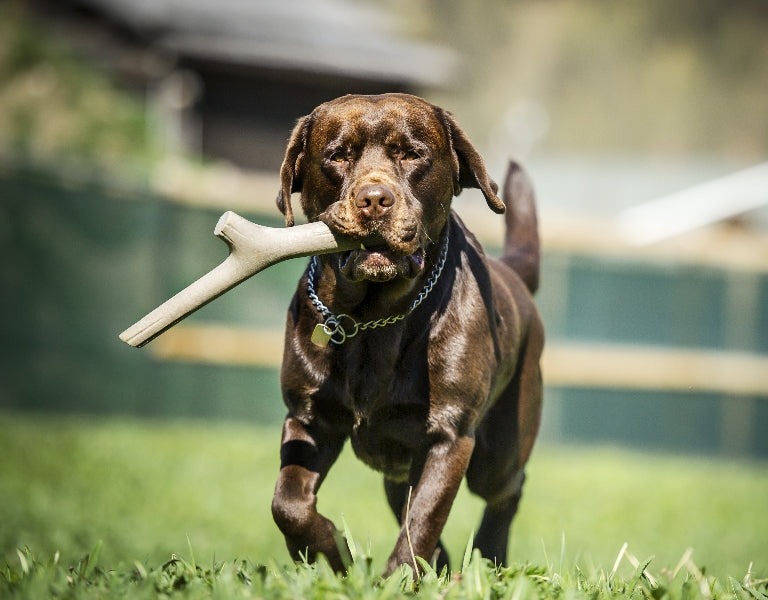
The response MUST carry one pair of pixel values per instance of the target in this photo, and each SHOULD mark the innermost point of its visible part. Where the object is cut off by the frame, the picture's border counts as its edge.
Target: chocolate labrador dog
(416, 346)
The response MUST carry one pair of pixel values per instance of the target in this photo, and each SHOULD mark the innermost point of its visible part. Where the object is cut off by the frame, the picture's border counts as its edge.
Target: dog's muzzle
(380, 264)
(389, 232)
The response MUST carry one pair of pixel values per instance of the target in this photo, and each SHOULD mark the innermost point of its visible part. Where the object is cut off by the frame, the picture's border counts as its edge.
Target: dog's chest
(387, 442)
(383, 385)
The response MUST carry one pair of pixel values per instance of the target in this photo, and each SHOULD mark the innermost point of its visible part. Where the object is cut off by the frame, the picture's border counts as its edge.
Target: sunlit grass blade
(23, 562)
(468, 552)
(89, 561)
(191, 555)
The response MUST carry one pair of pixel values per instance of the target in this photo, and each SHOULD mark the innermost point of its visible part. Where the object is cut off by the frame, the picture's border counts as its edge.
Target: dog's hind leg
(493, 534)
(503, 444)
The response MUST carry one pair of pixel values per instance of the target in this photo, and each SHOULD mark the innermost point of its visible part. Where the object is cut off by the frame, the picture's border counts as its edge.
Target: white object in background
(696, 206)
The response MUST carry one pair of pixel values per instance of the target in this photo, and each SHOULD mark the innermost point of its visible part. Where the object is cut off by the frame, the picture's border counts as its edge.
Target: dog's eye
(410, 155)
(340, 157)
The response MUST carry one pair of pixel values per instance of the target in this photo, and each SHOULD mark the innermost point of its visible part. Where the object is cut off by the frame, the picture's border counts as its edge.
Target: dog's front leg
(431, 500)
(304, 462)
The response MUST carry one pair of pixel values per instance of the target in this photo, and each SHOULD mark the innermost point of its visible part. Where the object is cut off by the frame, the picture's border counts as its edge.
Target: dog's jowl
(415, 346)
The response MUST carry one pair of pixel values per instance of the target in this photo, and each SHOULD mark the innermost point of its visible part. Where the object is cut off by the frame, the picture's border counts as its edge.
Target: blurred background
(127, 127)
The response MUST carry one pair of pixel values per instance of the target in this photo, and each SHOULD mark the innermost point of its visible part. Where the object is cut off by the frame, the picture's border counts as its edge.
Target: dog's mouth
(380, 263)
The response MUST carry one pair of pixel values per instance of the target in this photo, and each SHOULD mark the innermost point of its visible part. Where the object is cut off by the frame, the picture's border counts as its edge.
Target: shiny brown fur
(454, 389)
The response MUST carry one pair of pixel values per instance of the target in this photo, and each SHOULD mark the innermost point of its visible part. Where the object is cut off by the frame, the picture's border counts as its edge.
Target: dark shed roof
(331, 37)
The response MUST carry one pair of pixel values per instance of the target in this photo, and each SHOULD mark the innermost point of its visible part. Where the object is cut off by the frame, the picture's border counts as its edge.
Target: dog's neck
(366, 300)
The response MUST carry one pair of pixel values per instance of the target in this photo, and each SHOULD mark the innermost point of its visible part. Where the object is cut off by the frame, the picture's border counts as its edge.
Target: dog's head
(382, 170)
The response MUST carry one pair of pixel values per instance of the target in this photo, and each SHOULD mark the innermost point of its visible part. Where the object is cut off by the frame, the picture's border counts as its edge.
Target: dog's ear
(291, 169)
(468, 166)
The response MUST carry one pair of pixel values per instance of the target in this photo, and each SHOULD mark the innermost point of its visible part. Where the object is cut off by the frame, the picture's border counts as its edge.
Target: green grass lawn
(144, 488)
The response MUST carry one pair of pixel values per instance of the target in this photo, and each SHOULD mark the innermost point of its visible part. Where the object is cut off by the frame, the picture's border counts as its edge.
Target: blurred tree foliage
(54, 106)
(647, 76)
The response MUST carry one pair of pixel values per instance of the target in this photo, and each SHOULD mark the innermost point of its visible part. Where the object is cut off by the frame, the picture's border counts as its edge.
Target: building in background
(228, 79)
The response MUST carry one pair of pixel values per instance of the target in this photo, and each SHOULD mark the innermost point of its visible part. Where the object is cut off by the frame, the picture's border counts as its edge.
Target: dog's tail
(522, 249)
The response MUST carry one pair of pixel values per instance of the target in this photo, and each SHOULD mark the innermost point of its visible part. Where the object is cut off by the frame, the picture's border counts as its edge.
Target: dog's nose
(374, 200)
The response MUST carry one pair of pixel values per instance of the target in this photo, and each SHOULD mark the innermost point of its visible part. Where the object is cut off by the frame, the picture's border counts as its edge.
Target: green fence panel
(80, 262)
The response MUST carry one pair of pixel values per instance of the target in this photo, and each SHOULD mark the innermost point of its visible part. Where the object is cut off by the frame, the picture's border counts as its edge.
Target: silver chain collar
(339, 328)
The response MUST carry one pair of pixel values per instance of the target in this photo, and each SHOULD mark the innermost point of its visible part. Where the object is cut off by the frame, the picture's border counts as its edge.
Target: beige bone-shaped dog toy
(252, 248)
